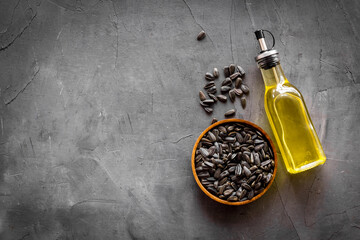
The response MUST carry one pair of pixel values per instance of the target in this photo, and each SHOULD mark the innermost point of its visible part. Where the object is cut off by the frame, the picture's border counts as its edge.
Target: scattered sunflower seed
(221, 98)
(213, 97)
(232, 68)
(208, 110)
(202, 96)
(230, 113)
(241, 71)
(234, 76)
(212, 90)
(209, 85)
(238, 82)
(209, 101)
(244, 88)
(226, 71)
(232, 95)
(243, 102)
(209, 76)
(201, 35)
(225, 88)
(238, 92)
(226, 82)
(216, 73)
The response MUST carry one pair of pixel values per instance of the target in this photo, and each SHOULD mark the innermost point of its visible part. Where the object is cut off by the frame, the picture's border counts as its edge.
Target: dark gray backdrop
(99, 113)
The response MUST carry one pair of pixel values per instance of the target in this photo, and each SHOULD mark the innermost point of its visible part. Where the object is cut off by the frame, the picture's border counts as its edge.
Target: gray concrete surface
(99, 113)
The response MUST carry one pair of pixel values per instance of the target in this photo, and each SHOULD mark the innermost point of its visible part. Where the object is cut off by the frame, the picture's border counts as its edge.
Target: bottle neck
(273, 76)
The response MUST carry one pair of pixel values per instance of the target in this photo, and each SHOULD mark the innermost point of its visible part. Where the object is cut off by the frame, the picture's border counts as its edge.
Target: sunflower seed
(224, 174)
(258, 141)
(212, 90)
(204, 152)
(234, 186)
(257, 186)
(246, 158)
(201, 36)
(250, 194)
(218, 161)
(212, 190)
(216, 73)
(216, 184)
(246, 171)
(246, 186)
(268, 178)
(213, 97)
(232, 95)
(265, 163)
(230, 113)
(230, 139)
(221, 98)
(244, 88)
(246, 164)
(226, 82)
(238, 82)
(208, 110)
(211, 137)
(209, 76)
(252, 158)
(259, 177)
(253, 168)
(234, 76)
(209, 85)
(243, 102)
(239, 137)
(232, 198)
(258, 147)
(211, 179)
(222, 129)
(209, 164)
(231, 69)
(203, 104)
(198, 158)
(217, 173)
(251, 179)
(238, 170)
(202, 96)
(225, 88)
(242, 194)
(228, 192)
(238, 92)
(203, 174)
(241, 70)
(226, 71)
(266, 147)
(214, 120)
(223, 181)
(209, 101)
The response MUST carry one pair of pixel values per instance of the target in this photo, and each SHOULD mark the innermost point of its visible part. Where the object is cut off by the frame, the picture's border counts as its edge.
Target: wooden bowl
(244, 122)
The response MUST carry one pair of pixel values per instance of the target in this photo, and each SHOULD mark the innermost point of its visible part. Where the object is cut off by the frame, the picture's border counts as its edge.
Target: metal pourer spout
(261, 38)
(267, 58)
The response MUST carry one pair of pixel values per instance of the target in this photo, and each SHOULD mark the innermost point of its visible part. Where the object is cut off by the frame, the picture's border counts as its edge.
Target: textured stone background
(99, 113)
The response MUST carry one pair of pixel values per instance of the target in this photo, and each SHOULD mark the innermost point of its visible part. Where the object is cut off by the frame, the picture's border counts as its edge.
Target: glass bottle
(287, 113)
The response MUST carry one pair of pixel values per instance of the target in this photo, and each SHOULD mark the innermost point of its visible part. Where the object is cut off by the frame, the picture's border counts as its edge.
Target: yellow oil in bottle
(290, 121)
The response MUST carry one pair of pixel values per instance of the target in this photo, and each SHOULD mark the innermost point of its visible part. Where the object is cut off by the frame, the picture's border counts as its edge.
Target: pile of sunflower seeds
(232, 86)
(234, 162)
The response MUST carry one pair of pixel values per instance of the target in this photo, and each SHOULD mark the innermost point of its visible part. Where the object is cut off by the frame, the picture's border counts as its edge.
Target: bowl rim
(197, 178)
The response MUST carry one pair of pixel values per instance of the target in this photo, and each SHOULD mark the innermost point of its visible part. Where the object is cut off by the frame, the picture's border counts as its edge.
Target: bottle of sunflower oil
(287, 113)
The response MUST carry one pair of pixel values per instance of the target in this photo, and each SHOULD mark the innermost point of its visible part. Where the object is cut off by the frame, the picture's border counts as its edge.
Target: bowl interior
(244, 122)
